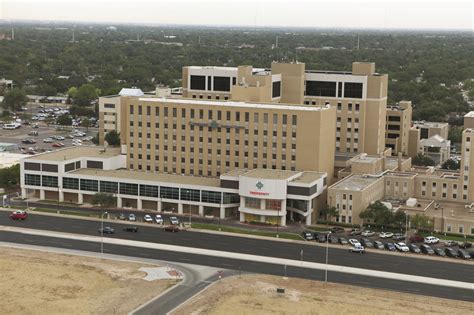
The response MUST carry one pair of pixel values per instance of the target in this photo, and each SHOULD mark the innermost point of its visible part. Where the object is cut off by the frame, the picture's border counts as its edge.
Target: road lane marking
(248, 257)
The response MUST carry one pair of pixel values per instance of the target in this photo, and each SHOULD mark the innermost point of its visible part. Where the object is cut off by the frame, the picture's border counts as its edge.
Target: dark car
(133, 229)
(463, 254)
(450, 252)
(378, 245)
(451, 243)
(416, 239)
(343, 241)
(440, 252)
(333, 239)
(465, 245)
(414, 249)
(366, 242)
(355, 232)
(390, 247)
(426, 249)
(171, 228)
(337, 229)
(322, 238)
(106, 230)
(122, 216)
(472, 255)
(398, 237)
(307, 236)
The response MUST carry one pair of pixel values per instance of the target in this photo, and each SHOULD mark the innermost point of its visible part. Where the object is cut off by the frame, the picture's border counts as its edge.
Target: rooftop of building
(435, 141)
(77, 152)
(270, 174)
(401, 174)
(470, 114)
(279, 106)
(356, 182)
(308, 177)
(364, 158)
(150, 176)
(304, 177)
(429, 124)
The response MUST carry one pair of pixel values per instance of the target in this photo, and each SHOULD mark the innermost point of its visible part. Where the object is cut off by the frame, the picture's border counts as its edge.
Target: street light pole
(278, 223)
(327, 254)
(406, 224)
(102, 232)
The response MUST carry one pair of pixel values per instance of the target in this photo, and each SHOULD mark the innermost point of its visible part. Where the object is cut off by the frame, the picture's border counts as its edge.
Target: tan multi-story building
(399, 119)
(430, 129)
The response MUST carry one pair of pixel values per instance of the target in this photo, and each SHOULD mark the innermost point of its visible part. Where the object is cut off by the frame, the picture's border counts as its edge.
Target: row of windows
(275, 133)
(349, 107)
(41, 180)
(328, 88)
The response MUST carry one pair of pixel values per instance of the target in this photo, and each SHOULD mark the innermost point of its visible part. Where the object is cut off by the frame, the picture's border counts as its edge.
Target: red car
(58, 145)
(18, 215)
(416, 239)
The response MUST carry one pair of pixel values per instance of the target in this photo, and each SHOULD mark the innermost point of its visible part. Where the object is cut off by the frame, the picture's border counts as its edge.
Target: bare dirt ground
(256, 294)
(34, 282)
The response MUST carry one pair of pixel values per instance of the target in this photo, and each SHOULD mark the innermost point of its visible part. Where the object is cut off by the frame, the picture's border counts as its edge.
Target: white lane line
(249, 257)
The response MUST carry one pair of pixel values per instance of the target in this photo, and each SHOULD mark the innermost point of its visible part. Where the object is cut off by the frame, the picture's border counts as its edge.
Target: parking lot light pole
(406, 224)
(327, 254)
(102, 232)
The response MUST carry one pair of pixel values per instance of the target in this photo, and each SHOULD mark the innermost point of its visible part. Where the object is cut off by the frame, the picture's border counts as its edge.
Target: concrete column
(242, 216)
(180, 208)
(242, 201)
(283, 221)
(222, 213)
(159, 206)
(42, 194)
(139, 204)
(201, 210)
(61, 196)
(119, 202)
(80, 199)
(24, 194)
(308, 219)
(262, 219)
(262, 204)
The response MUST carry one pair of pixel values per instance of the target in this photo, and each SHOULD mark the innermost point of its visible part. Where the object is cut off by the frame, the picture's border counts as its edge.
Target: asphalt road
(338, 256)
(245, 266)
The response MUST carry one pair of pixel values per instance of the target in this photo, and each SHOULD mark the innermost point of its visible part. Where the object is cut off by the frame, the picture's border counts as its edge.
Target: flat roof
(311, 108)
(236, 172)
(470, 114)
(270, 174)
(77, 152)
(150, 176)
(355, 182)
(429, 124)
(367, 159)
(308, 177)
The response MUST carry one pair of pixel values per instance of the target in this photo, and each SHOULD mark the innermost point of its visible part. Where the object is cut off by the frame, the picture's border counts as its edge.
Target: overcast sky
(400, 14)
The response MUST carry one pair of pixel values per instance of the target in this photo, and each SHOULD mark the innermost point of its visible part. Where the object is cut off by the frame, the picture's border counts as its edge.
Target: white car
(385, 234)
(131, 217)
(402, 247)
(174, 220)
(60, 138)
(48, 140)
(367, 233)
(354, 242)
(357, 249)
(159, 219)
(431, 240)
(148, 218)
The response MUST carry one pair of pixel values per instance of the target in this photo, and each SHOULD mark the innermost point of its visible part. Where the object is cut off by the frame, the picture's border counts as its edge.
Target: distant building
(399, 119)
(5, 86)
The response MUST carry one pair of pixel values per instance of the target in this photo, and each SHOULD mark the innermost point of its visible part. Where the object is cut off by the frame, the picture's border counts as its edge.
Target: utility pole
(358, 42)
(13, 33)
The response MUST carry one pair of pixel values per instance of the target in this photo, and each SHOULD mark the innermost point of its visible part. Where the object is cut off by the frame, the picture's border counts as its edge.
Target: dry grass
(33, 282)
(256, 294)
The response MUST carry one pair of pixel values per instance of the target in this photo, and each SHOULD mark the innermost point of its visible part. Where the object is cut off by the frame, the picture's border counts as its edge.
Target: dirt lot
(33, 282)
(256, 294)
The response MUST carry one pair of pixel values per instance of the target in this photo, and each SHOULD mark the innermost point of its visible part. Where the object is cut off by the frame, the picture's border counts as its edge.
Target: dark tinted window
(69, 167)
(321, 88)
(49, 168)
(198, 82)
(221, 84)
(353, 90)
(276, 89)
(94, 164)
(32, 166)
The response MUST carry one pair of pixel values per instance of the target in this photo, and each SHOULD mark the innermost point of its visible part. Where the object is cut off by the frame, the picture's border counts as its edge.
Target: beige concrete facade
(429, 129)
(469, 120)
(399, 119)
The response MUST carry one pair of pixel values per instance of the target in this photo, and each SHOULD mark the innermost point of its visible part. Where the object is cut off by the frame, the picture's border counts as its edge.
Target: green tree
(329, 213)
(378, 213)
(85, 95)
(455, 135)
(112, 138)
(421, 221)
(14, 100)
(103, 200)
(422, 160)
(72, 92)
(10, 176)
(64, 120)
(451, 165)
(86, 123)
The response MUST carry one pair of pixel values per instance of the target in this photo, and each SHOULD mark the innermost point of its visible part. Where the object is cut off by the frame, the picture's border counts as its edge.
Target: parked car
(463, 254)
(416, 239)
(159, 219)
(451, 252)
(58, 144)
(366, 242)
(440, 252)
(378, 245)
(402, 247)
(28, 141)
(122, 216)
(343, 241)
(426, 249)
(322, 238)
(385, 234)
(357, 249)
(307, 235)
(132, 229)
(174, 221)
(147, 218)
(451, 243)
(354, 242)
(398, 237)
(33, 133)
(355, 232)
(367, 233)
(414, 249)
(171, 228)
(19, 215)
(48, 140)
(431, 240)
(337, 229)
(465, 245)
(106, 230)
(333, 239)
(390, 247)
(131, 217)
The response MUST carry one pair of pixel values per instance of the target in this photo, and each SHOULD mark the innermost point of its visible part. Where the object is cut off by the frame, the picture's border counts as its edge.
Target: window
(129, 189)
(131, 109)
(33, 180)
(109, 105)
(353, 90)
(70, 183)
(169, 192)
(393, 118)
(293, 120)
(190, 194)
(222, 84)
(211, 196)
(321, 88)
(198, 82)
(252, 202)
(89, 185)
(272, 204)
(49, 181)
(339, 106)
(276, 89)
(108, 187)
(461, 229)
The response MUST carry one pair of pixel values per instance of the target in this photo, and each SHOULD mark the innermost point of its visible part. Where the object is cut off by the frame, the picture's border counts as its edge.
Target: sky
(381, 14)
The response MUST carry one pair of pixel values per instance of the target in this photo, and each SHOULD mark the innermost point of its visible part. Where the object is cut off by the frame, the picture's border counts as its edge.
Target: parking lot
(415, 245)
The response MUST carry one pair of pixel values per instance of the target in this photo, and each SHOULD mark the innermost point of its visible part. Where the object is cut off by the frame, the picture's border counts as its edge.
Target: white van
(9, 126)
